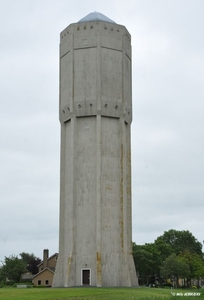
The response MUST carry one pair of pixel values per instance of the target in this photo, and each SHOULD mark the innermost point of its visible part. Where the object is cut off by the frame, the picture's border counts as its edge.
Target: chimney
(45, 257)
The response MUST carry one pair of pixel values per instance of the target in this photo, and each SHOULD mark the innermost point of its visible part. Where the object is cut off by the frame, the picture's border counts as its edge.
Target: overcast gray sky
(167, 130)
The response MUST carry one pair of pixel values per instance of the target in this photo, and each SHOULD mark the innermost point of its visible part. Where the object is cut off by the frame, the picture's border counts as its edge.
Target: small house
(46, 270)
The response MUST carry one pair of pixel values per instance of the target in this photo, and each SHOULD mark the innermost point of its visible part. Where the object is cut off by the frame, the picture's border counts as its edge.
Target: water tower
(95, 243)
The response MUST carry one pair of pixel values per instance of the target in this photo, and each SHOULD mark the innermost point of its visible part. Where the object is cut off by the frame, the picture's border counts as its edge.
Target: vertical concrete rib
(123, 145)
(98, 166)
(121, 185)
(61, 266)
(98, 204)
(72, 258)
(70, 213)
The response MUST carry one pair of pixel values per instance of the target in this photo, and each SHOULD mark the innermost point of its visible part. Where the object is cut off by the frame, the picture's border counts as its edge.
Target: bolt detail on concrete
(95, 112)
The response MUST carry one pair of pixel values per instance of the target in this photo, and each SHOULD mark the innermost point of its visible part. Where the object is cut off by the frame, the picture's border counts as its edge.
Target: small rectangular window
(39, 282)
(46, 282)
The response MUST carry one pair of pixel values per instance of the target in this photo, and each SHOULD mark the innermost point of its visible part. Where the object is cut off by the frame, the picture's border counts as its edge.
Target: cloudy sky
(167, 131)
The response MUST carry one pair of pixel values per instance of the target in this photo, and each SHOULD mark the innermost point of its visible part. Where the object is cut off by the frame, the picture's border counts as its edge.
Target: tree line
(173, 255)
(14, 266)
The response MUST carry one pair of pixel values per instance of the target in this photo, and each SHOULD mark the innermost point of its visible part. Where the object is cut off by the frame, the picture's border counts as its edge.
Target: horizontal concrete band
(92, 35)
(90, 108)
(83, 44)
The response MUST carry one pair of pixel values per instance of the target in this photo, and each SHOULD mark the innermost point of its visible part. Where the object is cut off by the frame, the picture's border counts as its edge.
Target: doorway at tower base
(110, 274)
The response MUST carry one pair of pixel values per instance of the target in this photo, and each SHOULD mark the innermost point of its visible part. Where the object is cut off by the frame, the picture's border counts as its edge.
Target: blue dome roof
(96, 16)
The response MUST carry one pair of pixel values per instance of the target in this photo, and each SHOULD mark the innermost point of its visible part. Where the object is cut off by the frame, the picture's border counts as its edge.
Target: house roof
(55, 254)
(96, 16)
(39, 273)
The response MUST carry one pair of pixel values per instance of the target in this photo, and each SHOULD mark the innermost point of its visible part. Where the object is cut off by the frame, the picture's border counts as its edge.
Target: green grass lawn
(95, 293)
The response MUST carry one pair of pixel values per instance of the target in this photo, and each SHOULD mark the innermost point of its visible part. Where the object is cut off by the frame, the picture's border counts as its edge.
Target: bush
(10, 282)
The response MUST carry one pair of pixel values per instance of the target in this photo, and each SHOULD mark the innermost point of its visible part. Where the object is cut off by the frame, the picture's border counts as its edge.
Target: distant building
(46, 269)
(26, 276)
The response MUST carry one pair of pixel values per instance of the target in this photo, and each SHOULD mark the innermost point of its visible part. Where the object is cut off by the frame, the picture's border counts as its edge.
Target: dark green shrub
(10, 282)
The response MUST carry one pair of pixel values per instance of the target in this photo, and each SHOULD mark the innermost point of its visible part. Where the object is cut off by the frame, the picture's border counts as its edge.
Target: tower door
(86, 277)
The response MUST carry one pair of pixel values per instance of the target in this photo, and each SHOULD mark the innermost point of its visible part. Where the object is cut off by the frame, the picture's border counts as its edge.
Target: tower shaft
(95, 245)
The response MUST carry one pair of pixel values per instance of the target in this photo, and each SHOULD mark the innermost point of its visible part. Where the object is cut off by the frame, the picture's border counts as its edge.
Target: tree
(26, 257)
(12, 268)
(195, 263)
(143, 262)
(180, 241)
(146, 258)
(174, 267)
(2, 277)
(31, 262)
(164, 249)
(149, 258)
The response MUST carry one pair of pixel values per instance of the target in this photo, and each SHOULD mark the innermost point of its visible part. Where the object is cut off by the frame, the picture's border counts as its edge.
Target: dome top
(96, 16)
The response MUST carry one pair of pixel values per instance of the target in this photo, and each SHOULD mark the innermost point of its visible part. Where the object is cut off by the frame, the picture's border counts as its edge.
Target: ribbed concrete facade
(95, 244)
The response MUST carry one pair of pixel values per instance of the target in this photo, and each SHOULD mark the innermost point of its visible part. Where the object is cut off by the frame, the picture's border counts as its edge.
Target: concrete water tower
(95, 243)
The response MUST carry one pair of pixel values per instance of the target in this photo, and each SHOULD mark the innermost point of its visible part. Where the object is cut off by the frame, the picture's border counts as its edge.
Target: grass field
(97, 293)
